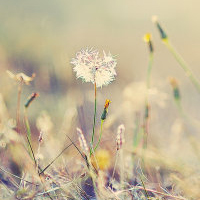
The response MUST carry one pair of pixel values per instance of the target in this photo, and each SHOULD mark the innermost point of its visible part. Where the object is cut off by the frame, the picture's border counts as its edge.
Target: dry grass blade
(54, 159)
(17, 176)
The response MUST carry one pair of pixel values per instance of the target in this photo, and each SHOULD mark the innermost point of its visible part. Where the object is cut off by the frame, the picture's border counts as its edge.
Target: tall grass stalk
(28, 129)
(143, 185)
(114, 169)
(184, 116)
(183, 64)
(18, 106)
(148, 40)
(121, 158)
(177, 56)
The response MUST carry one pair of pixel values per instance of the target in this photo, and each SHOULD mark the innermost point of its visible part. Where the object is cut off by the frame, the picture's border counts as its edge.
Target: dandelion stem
(94, 122)
(99, 135)
(182, 63)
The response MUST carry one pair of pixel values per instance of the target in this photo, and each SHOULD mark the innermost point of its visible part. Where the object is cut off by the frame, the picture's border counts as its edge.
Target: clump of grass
(90, 173)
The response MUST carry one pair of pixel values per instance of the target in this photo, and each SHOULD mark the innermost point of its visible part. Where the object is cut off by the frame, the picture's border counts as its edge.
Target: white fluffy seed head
(90, 67)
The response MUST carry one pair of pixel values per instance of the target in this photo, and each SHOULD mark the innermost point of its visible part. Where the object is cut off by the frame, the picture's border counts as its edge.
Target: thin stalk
(99, 135)
(27, 125)
(150, 64)
(94, 121)
(121, 160)
(7, 172)
(18, 106)
(146, 117)
(136, 131)
(114, 169)
(146, 193)
(55, 159)
(190, 138)
(182, 63)
(152, 191)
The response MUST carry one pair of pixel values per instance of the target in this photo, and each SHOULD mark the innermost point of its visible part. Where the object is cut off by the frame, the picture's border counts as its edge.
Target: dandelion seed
(120, 136)
(21, 77)
(92, 68)
(82, 141)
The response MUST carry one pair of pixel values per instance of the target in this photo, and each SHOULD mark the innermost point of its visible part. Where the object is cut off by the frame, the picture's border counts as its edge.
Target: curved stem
(99, 135)
(28, 129)
(183, 64)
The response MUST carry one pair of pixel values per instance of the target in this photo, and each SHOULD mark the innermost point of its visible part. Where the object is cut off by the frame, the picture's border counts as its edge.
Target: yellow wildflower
(102, 158)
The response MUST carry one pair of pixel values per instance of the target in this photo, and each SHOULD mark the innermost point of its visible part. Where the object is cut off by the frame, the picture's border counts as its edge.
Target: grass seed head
(120, 136)
(82, 141)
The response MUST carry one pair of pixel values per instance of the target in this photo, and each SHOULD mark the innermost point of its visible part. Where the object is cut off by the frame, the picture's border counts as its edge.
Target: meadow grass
(101, 168)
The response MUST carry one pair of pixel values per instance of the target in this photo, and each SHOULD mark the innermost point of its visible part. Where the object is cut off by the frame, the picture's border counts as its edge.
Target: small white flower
(92, 68)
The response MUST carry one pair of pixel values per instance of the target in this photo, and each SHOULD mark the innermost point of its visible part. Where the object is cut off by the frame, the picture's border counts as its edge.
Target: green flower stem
(18, 106)
(149, 70)
(27, 125)
(99, 135)
(94, 122)
(146, 117)
(182, 63)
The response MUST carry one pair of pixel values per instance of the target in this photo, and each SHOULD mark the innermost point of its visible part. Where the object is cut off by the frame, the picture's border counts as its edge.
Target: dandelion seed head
(90, 67)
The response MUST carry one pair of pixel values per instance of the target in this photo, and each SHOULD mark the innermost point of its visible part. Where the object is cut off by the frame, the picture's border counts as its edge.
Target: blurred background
(43, 36)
